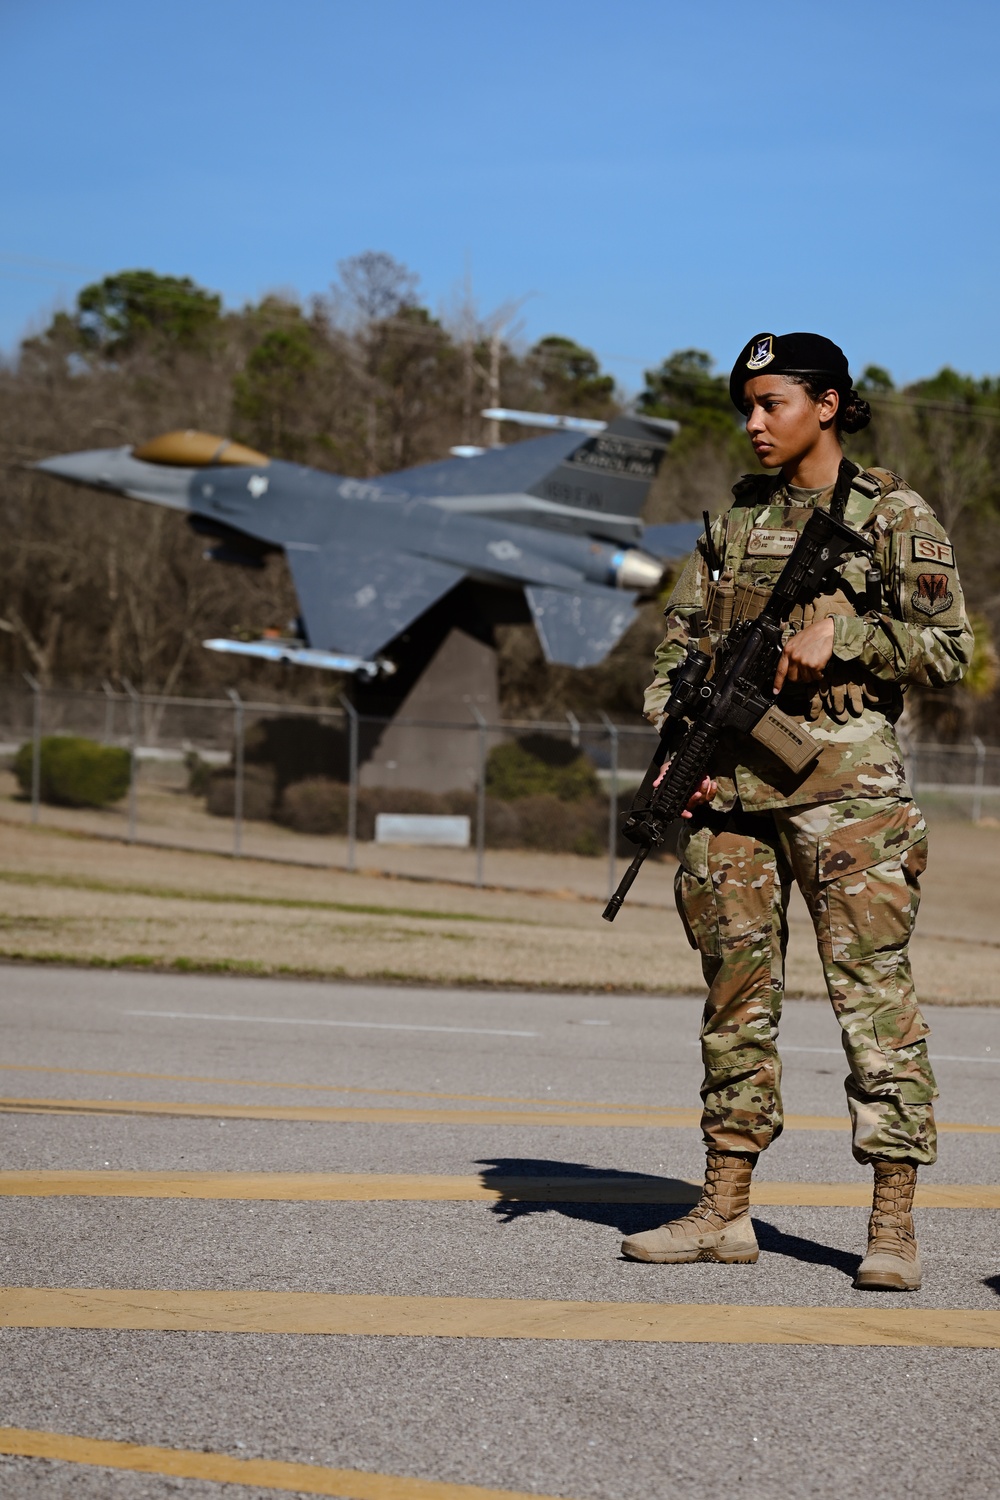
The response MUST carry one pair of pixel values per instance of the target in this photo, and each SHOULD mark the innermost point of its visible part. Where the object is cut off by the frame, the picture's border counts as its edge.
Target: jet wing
(578, 627)
(357, 600)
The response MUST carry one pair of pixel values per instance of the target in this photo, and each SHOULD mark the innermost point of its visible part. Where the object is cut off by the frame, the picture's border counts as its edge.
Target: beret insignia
(762, 352)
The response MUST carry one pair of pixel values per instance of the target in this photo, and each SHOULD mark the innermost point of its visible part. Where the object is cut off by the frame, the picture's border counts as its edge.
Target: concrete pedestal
(461, 674)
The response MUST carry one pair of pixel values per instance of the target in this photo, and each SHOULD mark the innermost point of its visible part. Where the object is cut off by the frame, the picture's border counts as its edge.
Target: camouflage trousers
(858, 865)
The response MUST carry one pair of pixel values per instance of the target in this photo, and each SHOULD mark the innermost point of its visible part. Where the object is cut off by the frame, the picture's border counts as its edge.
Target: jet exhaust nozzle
(636, 570)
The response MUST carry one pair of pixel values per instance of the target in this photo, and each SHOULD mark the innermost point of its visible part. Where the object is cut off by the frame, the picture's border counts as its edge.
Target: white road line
(189, 1015)
(936, 1057)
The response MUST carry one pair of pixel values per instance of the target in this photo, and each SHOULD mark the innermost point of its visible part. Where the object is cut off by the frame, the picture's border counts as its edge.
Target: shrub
(540, 766)
(317, 805)
(297, 749)
(75, 772)
(547, 822)
(199, 773)
(258, 794)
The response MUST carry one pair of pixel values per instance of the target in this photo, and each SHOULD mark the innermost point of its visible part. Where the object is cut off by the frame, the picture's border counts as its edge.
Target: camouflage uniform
(847, 830)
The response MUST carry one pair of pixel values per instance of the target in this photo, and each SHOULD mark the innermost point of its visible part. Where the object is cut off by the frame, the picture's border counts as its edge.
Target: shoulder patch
(932, 596)
(928, 549)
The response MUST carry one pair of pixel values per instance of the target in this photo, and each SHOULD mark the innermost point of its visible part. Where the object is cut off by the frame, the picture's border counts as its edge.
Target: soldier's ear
(827, 407)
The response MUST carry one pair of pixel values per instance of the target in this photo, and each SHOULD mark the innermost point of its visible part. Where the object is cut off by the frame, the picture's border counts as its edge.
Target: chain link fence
(333, 788)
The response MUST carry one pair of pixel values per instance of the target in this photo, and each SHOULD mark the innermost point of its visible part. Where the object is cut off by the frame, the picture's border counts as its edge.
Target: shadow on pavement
(993, 1282)
(776, 1242)
(632, 1218)
(628, 1217)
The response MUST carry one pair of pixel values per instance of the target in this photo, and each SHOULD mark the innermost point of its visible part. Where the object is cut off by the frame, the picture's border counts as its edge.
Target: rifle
(737, 697)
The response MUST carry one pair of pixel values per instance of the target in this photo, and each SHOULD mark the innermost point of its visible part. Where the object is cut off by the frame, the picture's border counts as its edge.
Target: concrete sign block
(422, 828)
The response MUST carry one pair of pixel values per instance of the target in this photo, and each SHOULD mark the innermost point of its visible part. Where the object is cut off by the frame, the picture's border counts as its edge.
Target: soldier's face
(784, 423)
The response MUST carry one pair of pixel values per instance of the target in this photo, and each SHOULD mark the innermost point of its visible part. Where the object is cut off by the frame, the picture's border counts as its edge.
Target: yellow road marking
(794, 1122)
(373, 1187)
(315, 1088)
(350, 1114)
(163, 1311)
(263, 1473)
(362, 1114)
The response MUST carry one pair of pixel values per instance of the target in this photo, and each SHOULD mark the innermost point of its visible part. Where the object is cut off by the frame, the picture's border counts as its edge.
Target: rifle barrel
(614, 906)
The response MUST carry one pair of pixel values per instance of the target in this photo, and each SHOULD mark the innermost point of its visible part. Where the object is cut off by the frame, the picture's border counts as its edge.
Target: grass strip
(222, 898)
(253, 968)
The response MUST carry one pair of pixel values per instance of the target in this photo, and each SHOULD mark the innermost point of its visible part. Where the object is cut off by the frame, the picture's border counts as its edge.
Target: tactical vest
(746, 582)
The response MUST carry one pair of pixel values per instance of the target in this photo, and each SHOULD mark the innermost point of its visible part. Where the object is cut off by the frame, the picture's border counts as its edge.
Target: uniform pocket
(859, 843)
(869, 872)
(692, 848)
(695, 900)
(902, 1027)
(694, 892)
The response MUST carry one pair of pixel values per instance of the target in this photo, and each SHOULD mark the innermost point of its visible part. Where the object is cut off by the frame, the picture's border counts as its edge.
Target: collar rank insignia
(761, 352)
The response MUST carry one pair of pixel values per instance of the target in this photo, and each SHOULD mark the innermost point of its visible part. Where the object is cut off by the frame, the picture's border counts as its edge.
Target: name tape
(763, 543)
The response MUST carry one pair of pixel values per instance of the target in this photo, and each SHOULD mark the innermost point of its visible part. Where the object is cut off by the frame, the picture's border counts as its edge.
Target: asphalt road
(573, 1416)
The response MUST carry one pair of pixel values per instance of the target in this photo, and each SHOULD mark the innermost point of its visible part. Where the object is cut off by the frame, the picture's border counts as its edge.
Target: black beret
(790, 354)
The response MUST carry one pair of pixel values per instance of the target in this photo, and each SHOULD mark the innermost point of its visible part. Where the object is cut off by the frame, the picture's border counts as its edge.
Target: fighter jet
(544, 530)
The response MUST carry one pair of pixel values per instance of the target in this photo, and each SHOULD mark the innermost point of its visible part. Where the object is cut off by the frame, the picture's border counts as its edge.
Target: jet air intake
(634, 569)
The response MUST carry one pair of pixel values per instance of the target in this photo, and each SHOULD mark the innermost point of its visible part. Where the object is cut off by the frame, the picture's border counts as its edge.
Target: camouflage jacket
(922, 635)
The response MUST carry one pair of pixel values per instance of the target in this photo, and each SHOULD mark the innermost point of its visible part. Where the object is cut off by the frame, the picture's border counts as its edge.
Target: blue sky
(648, 177)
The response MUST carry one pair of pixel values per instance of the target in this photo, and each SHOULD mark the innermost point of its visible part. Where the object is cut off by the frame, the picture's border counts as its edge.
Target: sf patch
(927, 549)
(932, 596)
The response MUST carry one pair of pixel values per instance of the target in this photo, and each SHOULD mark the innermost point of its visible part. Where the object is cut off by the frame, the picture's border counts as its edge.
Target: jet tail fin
(602, 483)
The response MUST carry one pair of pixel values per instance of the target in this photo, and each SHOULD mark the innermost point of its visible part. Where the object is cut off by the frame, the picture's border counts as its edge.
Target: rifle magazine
(786, 739)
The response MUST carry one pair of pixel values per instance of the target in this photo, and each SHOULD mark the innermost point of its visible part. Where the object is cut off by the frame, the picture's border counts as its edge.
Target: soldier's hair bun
(854, 413)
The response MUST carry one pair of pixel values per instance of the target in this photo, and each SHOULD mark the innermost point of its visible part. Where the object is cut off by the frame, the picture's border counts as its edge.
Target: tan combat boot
(892, 1263)
(717, 1228)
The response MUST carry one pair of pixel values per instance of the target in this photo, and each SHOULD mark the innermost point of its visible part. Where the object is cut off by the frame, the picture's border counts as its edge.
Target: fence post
(36, 744)
(977, 798)
(133, 772)
(574, 729)
(612, 804)
(352, 786)
(109, 710)
(480, 794)
(237, 703)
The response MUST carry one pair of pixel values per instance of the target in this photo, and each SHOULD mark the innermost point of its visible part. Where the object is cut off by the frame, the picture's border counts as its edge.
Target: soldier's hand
(704, 793)
(805, 654)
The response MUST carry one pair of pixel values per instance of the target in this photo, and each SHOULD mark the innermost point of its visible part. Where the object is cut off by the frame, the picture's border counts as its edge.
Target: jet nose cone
(117, 469)
(93, 466)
